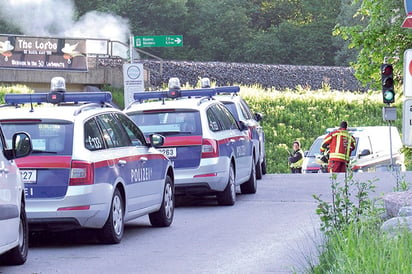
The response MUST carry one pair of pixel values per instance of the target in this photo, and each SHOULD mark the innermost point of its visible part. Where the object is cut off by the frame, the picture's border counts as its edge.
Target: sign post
(407, 102)
(133, 81)
(158, 41)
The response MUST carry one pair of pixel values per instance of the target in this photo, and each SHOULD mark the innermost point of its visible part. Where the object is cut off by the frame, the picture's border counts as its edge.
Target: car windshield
(169, 122)
(48, 138)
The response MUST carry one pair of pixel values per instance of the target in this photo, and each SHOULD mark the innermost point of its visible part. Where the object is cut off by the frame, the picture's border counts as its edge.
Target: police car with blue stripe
(212, 152)
(91, 166)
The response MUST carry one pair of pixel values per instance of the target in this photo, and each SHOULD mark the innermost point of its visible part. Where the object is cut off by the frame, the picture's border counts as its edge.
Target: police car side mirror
(242, 126)
(21, 146)
(156, 140)
(258, 116)
(365, 152)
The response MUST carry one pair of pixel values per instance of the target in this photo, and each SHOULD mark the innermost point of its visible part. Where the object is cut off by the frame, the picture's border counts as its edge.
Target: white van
(372, 152)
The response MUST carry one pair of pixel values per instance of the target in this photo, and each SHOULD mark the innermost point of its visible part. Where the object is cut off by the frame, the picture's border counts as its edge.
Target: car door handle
(122, 162)
(143, 159)
(242, 139)
(232, 140)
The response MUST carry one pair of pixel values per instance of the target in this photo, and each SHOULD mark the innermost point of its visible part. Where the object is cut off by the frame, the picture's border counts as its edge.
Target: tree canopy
(361, 33)
(379, 38)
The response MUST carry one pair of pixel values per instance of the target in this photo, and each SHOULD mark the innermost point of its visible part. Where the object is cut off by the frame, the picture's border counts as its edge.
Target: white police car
(211, 152)
(14, 232)
(91, 166)
(241, 111)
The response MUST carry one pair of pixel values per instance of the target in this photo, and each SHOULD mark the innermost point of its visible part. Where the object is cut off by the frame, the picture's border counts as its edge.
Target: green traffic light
(389, 95)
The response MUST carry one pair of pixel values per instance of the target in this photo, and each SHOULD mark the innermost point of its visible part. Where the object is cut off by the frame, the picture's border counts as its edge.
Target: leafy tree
(379, 37)
(218, 30)
(8, 28)
(345, 55)
(266, 14)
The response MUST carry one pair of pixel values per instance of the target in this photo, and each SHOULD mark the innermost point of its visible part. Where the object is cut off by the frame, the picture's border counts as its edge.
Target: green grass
(362, 248)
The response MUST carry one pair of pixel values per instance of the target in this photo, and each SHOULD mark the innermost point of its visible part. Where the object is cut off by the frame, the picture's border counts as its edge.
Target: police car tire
(228, 196)
(259, 170)
(164, 216)
(264, 166)
(250, 186)
(18, 254)
(112, 231)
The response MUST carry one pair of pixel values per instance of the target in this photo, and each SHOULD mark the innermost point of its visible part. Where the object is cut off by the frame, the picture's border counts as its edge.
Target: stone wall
(278, 76)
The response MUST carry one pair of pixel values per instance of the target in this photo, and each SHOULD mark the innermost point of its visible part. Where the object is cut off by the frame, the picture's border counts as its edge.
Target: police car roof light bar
(69, 97)
(228, 89)
(202, 92)
(140, 96)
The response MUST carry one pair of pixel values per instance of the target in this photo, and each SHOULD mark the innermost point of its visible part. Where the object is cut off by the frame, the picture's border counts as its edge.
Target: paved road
(272, 231)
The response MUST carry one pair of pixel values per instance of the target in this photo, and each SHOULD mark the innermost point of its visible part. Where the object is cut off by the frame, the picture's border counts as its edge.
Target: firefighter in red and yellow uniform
(340, 144)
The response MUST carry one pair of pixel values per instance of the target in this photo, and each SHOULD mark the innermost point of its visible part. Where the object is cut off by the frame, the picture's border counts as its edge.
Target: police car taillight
(210, 148)
(81, 173)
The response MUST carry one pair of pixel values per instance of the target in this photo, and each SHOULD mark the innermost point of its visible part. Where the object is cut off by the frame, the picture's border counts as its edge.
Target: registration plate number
(29, 176)
(169, 151)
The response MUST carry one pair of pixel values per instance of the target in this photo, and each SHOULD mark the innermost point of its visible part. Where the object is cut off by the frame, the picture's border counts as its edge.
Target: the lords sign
(42, 53)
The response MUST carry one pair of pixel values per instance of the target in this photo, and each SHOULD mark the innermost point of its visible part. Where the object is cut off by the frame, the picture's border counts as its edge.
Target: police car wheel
(259, 170)
(112, 231)
(164, 216)
(264, 166)
(18, 254)
(228, 196)
(250, 186)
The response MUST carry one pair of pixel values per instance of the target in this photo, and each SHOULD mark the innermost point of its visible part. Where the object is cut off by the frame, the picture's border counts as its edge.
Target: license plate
(29, 176)
(168, 152)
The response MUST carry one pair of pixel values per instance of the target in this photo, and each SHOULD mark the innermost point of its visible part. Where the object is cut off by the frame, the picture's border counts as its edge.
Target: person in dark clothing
(296, 158)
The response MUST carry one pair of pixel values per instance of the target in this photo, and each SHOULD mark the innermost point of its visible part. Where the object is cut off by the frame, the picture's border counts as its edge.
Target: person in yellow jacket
(296, 158)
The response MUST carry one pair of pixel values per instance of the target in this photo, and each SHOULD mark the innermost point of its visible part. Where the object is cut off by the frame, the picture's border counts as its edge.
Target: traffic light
(388, 90)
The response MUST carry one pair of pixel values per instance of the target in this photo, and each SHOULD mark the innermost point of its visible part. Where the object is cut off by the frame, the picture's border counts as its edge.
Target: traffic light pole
(390, 145)
(389, 114)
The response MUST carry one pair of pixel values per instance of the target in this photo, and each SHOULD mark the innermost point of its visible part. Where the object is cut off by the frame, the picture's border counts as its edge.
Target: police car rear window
(171, 122)
(47, 137)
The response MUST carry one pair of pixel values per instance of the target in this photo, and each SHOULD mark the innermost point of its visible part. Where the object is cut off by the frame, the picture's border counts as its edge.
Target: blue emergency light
(231, 89)
(202, 92)
(56, 97)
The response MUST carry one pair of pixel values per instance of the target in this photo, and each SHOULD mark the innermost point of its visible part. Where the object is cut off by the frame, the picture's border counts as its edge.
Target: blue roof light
(228, 89)
(202, 92)
(58, 97)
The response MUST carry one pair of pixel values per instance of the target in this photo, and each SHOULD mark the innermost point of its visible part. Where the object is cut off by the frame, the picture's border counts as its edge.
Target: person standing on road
(296, 158)
(341, 143)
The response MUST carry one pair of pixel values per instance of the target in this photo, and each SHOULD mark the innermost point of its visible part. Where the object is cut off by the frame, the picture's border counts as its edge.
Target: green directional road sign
(158, 41)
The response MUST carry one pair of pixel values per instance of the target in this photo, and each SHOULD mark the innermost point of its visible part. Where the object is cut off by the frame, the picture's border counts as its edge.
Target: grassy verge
(362, 248)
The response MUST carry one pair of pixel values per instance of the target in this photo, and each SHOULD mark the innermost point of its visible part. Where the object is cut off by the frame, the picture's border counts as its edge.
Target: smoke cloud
(56, 18)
